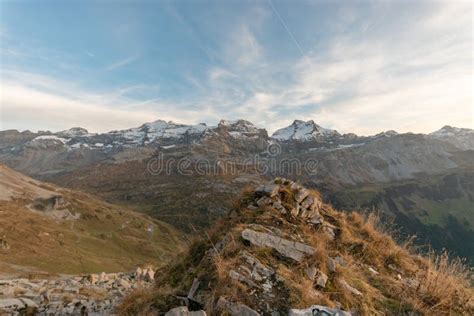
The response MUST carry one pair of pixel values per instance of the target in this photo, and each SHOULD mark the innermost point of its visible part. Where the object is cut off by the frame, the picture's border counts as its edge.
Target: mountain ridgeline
(421, 182)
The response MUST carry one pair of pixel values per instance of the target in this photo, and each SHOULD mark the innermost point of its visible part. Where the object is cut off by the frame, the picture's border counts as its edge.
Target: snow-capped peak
(73, 132)
(149, 132)
(241, 129)
(460, 137)
(303, 131)
(239, 126)
(449, 131)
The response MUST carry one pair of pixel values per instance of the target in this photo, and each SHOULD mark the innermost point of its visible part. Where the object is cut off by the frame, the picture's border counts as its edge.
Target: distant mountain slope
(58, 230)
(438, 210)
(460, 137)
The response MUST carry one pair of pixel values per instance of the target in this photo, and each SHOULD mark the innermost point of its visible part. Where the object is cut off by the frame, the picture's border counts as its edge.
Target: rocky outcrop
(54, 206)
(265, 285)
(94, 294)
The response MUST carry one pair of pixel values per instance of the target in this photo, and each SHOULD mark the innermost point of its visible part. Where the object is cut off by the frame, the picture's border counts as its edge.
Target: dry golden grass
(359, 241)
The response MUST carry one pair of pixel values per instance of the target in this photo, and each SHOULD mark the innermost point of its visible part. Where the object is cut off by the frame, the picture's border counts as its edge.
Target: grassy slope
(105, 238)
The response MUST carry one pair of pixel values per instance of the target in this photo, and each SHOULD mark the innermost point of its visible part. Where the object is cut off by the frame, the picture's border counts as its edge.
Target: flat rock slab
(291, 249)
(318, 310)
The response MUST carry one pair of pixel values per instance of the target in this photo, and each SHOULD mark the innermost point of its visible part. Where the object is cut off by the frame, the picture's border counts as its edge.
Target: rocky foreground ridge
(282, 251)
(94, 294)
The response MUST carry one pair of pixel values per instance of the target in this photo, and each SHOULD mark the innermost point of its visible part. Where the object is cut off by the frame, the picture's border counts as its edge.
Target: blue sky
(356, 66)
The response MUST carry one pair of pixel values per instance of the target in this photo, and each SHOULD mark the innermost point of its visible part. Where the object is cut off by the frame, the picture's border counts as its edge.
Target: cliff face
(283, 251)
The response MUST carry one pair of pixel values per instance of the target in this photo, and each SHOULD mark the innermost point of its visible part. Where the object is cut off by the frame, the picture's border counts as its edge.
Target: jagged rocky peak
(304, 131)
(282, 251)
(240, 128)
(73, 132)
(462, 138)
(448, 131)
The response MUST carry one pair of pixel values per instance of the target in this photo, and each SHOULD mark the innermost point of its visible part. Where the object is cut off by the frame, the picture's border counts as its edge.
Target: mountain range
(423, 183)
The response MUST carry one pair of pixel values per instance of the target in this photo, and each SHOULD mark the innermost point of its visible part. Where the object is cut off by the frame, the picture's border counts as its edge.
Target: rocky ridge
(282, 251)
(300, 134)
(94, 294)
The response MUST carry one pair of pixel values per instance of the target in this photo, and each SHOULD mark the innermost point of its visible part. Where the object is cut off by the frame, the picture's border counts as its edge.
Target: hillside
(283, 251)
(44, 228)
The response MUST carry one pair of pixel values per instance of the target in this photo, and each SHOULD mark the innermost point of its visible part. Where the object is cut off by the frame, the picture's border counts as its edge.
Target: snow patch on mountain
(462, 138)
(241, 129)
(49, 138)
(449, 131)
(73, 132)
(303, 131)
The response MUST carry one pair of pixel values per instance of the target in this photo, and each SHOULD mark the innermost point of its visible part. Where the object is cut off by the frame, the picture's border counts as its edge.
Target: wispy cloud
(122, 62)
(415, 78)
(31, 101)
(377, 70)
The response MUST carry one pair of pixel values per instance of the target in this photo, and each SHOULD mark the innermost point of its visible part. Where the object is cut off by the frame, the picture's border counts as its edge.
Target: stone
(149, 275)
(317, 220)
(9, 303)
(291, 249)
(103, 277)
(270, 189)
(259, 270)
(307, 202)
(351, 289)
(373, 271)
(329, 231)
(138, 273)
(279, 207)
(318, 276)
(301, 194)
(235, 309)
(93, 278)
(28, 302)
(241, 278)
(183, 311)
(194, 288)
(331, 265)
(311, 273)
(252, 207)
(264, 201)
(123, 283)
(318, 310)
(321, 279)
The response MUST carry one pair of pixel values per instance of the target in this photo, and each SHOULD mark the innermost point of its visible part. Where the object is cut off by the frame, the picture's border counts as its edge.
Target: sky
(354, 66)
